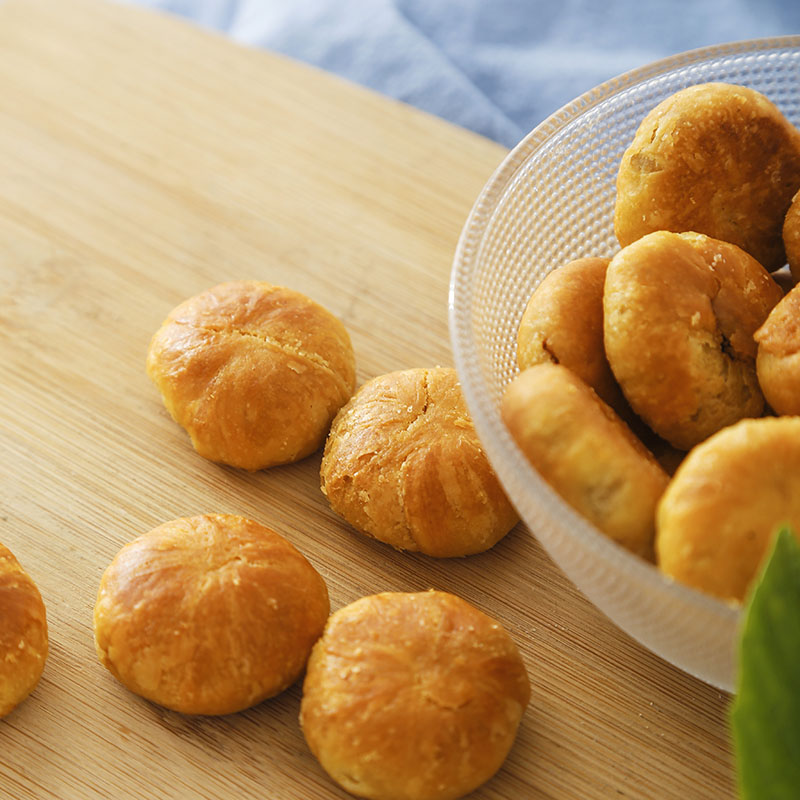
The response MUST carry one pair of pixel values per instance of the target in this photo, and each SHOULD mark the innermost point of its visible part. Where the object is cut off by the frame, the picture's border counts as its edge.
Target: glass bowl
(551, 201)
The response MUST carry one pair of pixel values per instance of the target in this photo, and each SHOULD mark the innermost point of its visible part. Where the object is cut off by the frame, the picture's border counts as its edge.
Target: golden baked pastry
(254, 373)
(404, 465)
(715, 158)
(412, 697)
(778, 357)
(680, 311)
(586, 453)
(725, 502)
(209, 614)
(563, 324)
(23, 633)
(791, 237)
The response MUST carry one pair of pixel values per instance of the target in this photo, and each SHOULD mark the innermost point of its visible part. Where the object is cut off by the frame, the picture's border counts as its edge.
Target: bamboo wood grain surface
(142, 161)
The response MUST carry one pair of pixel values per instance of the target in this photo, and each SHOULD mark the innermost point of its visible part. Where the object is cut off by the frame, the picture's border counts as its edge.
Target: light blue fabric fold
(497, 67)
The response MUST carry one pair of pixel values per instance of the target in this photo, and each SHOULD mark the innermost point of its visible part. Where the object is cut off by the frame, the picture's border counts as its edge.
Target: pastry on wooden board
(413, 696)
(254, 372)
(24, 641)
(404, 465)
(209, 614)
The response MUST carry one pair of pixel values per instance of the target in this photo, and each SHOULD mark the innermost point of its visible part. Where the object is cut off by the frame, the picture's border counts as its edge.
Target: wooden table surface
(142, 161)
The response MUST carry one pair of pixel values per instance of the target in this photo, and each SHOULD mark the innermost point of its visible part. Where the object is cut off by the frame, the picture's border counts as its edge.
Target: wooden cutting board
(142, 161)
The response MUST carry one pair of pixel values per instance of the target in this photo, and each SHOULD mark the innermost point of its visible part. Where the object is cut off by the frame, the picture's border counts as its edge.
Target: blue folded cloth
(498, 67)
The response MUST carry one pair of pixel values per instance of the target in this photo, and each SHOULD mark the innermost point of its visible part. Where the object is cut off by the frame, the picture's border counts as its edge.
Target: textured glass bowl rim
(486, 416)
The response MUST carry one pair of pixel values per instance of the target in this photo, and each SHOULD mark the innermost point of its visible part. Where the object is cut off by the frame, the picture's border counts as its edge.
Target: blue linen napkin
(498, 67)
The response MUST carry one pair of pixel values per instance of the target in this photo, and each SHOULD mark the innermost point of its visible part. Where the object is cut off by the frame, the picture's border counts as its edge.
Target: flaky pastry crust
(413, 696)
(23, 633)
(715, 158)
(254, 373)
(404, 465)
(209, 614)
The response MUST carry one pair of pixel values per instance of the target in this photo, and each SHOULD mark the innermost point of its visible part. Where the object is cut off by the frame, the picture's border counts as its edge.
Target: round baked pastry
(715, 158)
(404, 465)
(563, 324)
(586, 453)
(791, 237)
(778, 357)
(716, 520)
(23, 633)
(680, 311)
(412, 697)
(254, 373)
(209, 614)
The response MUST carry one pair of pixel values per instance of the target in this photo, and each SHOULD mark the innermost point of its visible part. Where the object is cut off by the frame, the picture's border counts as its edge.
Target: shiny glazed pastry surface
(23, 633)
(254, 373)
(404, 465)
(209, 614)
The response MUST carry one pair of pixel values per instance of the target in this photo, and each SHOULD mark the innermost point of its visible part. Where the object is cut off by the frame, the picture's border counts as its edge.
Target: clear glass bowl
(550, 201)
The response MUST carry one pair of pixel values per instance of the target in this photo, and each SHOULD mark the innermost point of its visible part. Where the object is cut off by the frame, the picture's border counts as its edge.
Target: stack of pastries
(656, 390)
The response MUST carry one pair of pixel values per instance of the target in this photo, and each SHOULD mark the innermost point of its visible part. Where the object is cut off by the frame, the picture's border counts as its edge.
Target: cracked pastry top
(715, 158)
(680, 311)
(209, 614)
(23, 633)
(412, 696)
(253, 372)
(404, 465)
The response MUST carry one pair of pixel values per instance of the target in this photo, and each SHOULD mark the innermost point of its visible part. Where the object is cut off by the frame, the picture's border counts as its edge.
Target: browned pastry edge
(791, 237)
(563, 323)
(778, 358)
(24, 642)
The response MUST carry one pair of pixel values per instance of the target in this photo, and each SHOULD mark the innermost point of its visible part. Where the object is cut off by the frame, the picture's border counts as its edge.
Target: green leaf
(765, 717)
